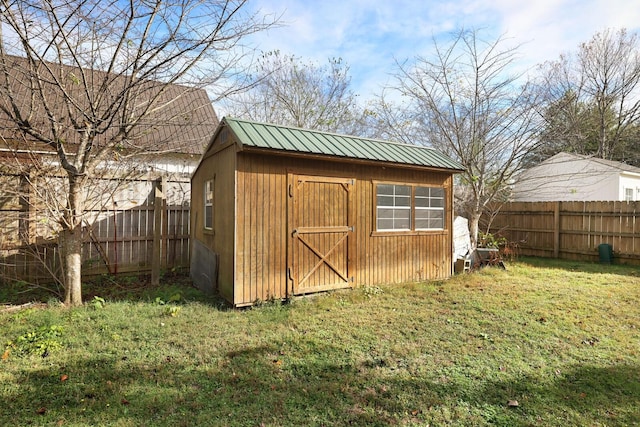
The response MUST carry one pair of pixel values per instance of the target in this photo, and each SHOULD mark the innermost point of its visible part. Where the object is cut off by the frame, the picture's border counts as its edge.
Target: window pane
(403, 201)
(385, 200)
(208, 216)
(208, 192)
(402, 219)
(402, 190)
(437, 192)
(429, 219)
(422, 191)
(402, 213)
(208, 204)
(422, 202)
(422, 224)
(385, 189)
(385, 224)
(385, 213)
(401, 224)
(422, 214)
(628, 194)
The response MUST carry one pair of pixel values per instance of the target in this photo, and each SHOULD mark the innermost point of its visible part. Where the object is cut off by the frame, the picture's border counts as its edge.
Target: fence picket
(576, 233)
(119, 241)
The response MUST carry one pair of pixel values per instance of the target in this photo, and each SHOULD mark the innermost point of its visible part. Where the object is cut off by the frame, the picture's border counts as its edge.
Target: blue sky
(371, 34)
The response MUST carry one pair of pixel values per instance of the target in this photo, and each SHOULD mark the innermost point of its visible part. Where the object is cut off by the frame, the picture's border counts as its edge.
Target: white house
(574, 177)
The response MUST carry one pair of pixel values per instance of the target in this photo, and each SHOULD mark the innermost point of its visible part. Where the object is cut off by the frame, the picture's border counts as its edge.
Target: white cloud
(370, 34)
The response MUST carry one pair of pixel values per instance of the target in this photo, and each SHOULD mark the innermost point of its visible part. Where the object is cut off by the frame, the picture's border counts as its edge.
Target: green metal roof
(295, 140)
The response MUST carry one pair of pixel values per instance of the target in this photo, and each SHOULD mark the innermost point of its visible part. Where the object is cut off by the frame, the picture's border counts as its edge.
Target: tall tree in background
(95, 78)
(464, 101)
(592, 99)
(287, 91)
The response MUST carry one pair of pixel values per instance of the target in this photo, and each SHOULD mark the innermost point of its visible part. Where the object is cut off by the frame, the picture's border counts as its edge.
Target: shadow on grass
(113, 288)
(263, 385)
(580, 266)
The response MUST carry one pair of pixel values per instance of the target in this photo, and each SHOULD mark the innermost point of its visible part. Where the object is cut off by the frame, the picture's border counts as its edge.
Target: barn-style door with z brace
(321, 234)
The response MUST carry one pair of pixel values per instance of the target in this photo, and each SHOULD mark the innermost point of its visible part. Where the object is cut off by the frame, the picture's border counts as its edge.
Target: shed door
(321, 233)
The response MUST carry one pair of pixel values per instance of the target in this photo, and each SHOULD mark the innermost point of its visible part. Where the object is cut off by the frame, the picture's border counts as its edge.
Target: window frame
(628, 194)
(394, 207)
(412, 230)
(431, 198)
(208, 195)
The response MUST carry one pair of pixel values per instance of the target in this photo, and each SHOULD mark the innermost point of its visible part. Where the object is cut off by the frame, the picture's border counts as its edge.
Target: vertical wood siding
(262, 226)
(221, 238)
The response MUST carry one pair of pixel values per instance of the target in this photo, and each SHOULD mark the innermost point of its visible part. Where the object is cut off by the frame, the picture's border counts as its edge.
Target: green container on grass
(606, 253)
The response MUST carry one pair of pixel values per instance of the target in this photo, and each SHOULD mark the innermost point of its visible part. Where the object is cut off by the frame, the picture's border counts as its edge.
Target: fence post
(27, 225)
(556, 229)
(158, 207)
(27, 221)
(164, 248)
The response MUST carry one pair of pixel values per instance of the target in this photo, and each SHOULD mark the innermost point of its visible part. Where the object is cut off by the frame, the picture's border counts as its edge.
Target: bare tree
(91, 81)
(597, 92)
(464, 101)
(290, 92)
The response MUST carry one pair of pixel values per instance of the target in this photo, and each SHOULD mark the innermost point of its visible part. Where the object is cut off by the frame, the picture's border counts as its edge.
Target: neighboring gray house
(574, 177)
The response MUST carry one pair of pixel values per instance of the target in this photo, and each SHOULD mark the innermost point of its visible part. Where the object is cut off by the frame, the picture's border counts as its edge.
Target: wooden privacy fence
(119, 241)
(571, 230)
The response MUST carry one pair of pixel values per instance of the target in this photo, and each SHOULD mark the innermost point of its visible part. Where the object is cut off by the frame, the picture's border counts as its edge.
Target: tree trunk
(70, 243)
(474, 221)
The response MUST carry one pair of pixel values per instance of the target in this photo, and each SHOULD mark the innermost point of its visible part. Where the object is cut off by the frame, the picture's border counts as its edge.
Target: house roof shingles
(182, 120)
(295, 140)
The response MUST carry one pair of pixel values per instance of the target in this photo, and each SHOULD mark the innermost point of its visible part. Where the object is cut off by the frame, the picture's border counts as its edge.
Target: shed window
(429, 203)
(409, 208)
(208, 204)
(393, 207)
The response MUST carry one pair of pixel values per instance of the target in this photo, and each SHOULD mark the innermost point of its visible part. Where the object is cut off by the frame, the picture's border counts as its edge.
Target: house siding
(568, 177)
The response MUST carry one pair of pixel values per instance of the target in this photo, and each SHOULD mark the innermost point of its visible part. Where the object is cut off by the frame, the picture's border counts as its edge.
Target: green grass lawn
(543, 344)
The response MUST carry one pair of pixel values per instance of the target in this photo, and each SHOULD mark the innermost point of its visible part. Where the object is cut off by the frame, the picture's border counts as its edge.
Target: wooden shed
(280, 211)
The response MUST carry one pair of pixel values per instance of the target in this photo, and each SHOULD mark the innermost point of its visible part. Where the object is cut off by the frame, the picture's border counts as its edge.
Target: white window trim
(394, 208)
(430, 208)
(413, 209)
